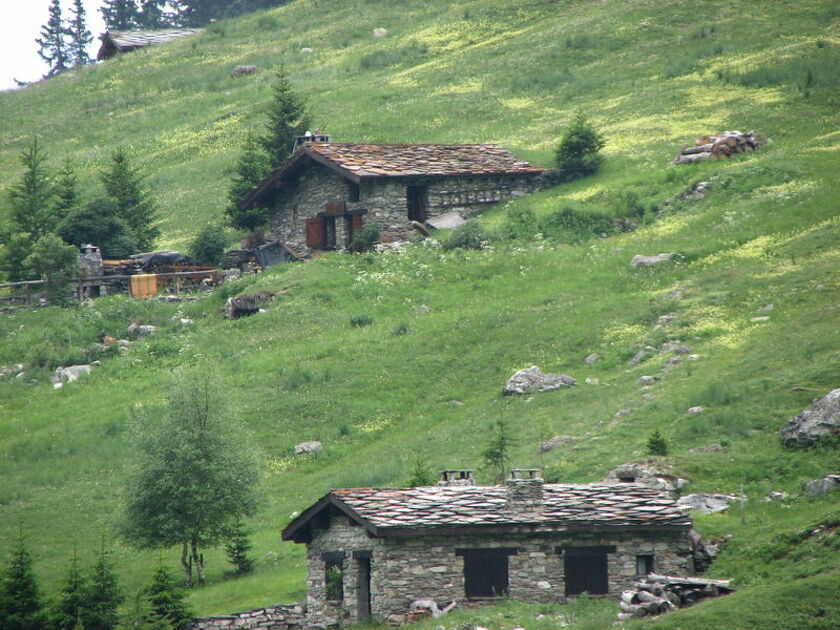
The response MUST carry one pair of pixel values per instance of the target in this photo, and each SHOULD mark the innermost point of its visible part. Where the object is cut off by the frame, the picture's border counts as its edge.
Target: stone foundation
(279, 617)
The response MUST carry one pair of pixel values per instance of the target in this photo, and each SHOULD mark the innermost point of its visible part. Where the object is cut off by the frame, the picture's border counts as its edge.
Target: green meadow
(651, 77)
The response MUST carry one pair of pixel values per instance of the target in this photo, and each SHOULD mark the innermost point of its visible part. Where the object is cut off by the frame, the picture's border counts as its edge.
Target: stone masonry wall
(279, 617)
(405, 569)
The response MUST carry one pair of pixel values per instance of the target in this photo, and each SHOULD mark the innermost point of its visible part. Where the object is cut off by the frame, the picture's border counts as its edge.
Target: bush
(657, 445)
(470, 235)
(577, 154)
(520, 224)
(57, 263)
(359, 321)
(571, 225)
(363, 240)
(209, 245)
(99, 223)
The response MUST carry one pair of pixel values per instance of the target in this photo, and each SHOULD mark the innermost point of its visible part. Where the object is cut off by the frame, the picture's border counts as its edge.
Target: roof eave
(289, 532)
(525, 528)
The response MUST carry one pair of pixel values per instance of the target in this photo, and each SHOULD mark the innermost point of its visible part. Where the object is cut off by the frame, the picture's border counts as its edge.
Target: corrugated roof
(565, 506)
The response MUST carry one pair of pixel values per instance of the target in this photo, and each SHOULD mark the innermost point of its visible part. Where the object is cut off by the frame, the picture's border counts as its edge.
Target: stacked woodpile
(722, 145)
(658, 594)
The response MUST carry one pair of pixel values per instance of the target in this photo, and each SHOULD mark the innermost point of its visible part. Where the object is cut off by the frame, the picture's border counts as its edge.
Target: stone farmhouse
(326, 190)
(375, 551)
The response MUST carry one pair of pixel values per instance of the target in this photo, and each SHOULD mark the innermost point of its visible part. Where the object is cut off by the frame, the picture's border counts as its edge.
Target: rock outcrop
(532, 379)
(818, 422)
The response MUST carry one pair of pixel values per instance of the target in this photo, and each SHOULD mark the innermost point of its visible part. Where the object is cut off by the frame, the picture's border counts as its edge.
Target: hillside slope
(651, 77)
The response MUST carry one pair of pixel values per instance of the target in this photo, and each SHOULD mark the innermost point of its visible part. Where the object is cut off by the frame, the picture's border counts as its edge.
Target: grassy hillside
(651, 77)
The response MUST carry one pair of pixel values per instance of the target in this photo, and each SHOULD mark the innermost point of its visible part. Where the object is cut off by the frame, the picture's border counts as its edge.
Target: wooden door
(586, 570)
(416, 200)
(363, 590)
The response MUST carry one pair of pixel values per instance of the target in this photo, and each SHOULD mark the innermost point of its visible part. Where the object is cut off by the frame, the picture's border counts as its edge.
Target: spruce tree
(167, 601)
(57, 263)
(52, 47)
(103, 596)
(251, 169)
(656, 444)
(71, 606)
(577, 154)
(152, 15)
(80, 37)
(124, 184)
(288, 119)
(119, 15)
(497, 453)
(66, 190)
(20, 602)
(237, 549)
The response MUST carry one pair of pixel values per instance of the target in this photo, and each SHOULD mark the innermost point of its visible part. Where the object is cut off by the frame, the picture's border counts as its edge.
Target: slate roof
(122, 41)
(357, 161)
(439, 508)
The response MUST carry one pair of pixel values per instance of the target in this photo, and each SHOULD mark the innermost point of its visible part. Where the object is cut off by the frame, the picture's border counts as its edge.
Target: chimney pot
(525, 491)
(457, 477)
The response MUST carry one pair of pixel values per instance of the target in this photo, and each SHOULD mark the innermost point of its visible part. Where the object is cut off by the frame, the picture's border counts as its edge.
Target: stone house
(117, 42)
(327, 190)
(374, 551)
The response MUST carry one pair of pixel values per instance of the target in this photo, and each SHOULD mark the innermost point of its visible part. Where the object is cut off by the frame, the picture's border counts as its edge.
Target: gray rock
(446, 221)
(674, 346)
(647, 474)
(666, 319)
(775, 495)
(304, 448)
(706, 503)
(819, 421)
(647, 380)
(821, 487)
(423, 309)
(766, 308)
(670, 364)
(693, 411)
(556, 441)
(69, 374)
(241, 71)
(760, 318)
(380, 32)
(592, 358)
(641, 355)
(621, 413)
(589, 380)
(709, 448)
(306, 50)
(676, 295)
(640, 261)
(142, 330)
(533, 379)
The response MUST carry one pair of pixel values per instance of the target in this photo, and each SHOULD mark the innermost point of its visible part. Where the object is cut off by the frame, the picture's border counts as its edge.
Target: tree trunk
(187, 565)
(198, 559)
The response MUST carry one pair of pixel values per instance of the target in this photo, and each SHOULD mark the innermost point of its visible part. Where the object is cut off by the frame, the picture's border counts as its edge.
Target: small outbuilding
(326, 190)
(374, 551)
(116, 42)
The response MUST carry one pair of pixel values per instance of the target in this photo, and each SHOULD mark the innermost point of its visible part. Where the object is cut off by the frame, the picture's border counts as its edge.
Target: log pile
(657, 594)
(720, 146)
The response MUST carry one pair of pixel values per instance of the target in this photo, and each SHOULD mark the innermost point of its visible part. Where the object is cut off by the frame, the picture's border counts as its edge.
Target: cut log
(700, 148)
(628, 608)
(625, 616)
(691, 159)
(688, 581)
(627, 597)
(645, 597)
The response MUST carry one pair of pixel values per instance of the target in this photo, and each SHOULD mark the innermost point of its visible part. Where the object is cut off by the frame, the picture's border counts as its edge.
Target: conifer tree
(20, 602)
(80, 37)
(103, 596)
(66, 190)
(124, 184)
(251, 169)
(237, 549)
(152, 15)
(57, 263)
(119, 15)
(52, 46)
(497, 453)
(71, 606)
(167, 601)
(288, 119)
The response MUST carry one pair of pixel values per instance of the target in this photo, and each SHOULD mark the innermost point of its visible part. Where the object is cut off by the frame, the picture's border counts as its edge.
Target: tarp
(144, 285)
(153, 259)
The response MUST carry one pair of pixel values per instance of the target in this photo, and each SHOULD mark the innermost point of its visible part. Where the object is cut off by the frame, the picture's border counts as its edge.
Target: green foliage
(577, 154)
(99, 222)
(360, 321)
(167, 602)
(287, 117)
(656, 444)
(520, 223)
(20, 601)
(52, 47)
(103, 597)
(251, 169)
(57, 263)
(364, 239)
(469, 235)
(237, 548)
(137, 614)
(80, 37)
(209, 245)
(66, 189)
(570, 225)
(496, 454)
(119, 15)
(134, 205)
(413, 53)
(421, 473)
(334, 585)
(71, 606)
(194, 476)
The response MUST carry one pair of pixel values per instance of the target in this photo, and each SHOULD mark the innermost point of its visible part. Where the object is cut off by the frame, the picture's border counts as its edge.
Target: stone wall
(279, 617)
(405, 569)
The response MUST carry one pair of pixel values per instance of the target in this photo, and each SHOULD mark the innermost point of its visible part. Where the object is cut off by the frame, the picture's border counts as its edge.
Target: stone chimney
(525, 491)
(311, 136)
(457, 477)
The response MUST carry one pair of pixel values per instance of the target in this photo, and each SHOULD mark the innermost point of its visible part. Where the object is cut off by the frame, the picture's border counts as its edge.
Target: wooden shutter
(357, 223)
(586, 570)
(316, 233)
(335, 208)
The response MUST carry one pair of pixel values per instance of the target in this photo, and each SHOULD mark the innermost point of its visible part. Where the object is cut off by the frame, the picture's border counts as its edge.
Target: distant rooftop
(114, 42)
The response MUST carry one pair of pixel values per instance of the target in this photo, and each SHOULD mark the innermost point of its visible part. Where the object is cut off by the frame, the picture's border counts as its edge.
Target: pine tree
(66, 190)
(497, 453)
(20, 602)
(167, 601)
(421, 473)
(80, 37)
(137, 615)
(152, 15)
(577, 154)
(57, 263)
(104, 596)
(251, 169)
(237, 549)
(287, 120)
(119, 15)
(71, 606)
(124, 184)
(656, 444)
(52, 47)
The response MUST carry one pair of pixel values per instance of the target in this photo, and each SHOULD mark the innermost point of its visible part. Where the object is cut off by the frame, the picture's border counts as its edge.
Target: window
(627, 479)
(416, 200)
(334, 575)
(586, 569)
(644, 564)
(353, 192)
(485, 571)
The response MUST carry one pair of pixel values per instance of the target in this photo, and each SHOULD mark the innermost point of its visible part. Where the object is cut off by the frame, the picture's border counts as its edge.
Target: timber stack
(720, 146)
(656, 594)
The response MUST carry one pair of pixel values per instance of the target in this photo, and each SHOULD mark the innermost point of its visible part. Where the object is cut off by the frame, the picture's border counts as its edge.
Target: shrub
(99, 223)
(571, 225)
(401, 329)
(57, 263)
(363, 240)
(209, 245)
(359, 321)
(656, 444)
(520, 223)
(577, 154)
(470, 235)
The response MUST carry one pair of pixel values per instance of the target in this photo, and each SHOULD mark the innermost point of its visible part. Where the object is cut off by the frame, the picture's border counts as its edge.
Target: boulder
(708, 448)
(674, 346)
(693, 411)
(819, 421)
(592, 358)
(306, 50)
(557, 440)
(380, 32)
(69, 374)
(446, 221)
(532, 380)
(642, 260)
(821, 487)
(647, 380)
(241, 71)
(304, 448)
(667, 318)
(647, 473)
(142, 330)
(706, 503)
(244, 305)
